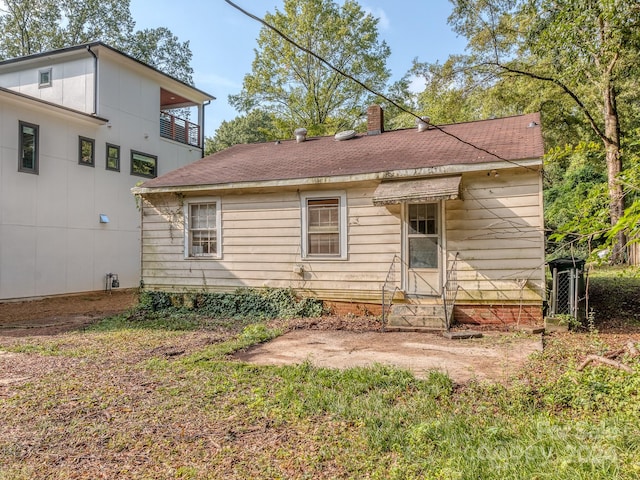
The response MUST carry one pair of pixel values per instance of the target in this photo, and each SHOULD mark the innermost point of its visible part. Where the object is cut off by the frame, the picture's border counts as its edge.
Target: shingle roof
(510, 139)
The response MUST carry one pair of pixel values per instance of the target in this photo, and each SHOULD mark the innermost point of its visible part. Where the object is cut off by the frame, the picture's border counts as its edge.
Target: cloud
(380, 14)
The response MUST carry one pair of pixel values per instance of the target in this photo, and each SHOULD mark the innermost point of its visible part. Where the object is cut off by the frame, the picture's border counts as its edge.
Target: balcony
(179, 130)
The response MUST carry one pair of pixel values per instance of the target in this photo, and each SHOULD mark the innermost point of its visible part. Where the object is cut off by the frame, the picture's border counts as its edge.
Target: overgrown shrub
(245, 302)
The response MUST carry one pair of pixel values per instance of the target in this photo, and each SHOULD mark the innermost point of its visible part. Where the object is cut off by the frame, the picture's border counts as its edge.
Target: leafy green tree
(161, 49)
(34, 26)
(588, 51)
(300, 90)
(255, 126)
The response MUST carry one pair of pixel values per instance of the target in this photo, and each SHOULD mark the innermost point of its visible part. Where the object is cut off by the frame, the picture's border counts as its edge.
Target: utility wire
(367, 88)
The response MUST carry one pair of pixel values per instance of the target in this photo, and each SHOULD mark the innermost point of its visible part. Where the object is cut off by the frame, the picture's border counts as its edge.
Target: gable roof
(401, 153)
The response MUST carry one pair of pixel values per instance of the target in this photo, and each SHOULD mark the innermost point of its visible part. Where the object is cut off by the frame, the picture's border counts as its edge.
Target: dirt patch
(53, 315)
(495, 357)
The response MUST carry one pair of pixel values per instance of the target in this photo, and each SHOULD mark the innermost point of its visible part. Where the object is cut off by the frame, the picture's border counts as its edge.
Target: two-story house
(79, 127)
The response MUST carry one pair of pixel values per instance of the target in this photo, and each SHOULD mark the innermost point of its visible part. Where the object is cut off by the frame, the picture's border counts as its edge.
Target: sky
(223, 40)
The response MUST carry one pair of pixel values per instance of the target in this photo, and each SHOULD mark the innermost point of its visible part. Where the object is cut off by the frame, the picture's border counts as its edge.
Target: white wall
(72, 80)
(51, 241)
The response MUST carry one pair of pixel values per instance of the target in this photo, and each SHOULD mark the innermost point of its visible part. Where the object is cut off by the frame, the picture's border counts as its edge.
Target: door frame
(442, 253)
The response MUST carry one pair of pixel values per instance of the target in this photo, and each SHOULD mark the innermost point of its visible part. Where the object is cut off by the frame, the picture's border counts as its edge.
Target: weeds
(111, 404)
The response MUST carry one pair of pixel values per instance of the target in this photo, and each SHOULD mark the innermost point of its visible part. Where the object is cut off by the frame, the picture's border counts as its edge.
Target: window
(44, 78)
(113, 157)
(423, 235)
(202, 229)
(29, 149)
(86, 151)
(324, 225)
(144, 165)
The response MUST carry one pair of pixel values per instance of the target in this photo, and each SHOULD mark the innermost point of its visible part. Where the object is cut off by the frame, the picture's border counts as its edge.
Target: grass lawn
(158, 396)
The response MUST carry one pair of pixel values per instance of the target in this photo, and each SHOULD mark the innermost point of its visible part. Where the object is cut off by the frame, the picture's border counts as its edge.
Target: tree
(161, 49)
(299, 89)
(587, 50)
(256, 126)
(34, 26)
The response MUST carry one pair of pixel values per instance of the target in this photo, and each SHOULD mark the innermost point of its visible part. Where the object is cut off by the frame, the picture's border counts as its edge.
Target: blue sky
(223, 40)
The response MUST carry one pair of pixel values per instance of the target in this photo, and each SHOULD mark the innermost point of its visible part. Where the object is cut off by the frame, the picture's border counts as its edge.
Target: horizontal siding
(497, 231)
(261, 237)
(495, 227)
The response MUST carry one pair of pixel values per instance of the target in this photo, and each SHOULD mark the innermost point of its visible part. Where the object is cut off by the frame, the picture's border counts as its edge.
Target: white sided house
(79, 127)
(429, 222)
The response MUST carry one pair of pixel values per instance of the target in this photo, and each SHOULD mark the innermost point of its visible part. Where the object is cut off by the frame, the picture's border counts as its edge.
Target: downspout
(95, 79)
(204, 104)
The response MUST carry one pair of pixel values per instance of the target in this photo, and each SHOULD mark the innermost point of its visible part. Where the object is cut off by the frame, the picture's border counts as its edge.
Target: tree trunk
(614, 167)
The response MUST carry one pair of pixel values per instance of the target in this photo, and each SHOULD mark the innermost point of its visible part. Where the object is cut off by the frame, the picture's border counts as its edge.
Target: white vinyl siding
(498, 231)
(496, 227)
(261, 245)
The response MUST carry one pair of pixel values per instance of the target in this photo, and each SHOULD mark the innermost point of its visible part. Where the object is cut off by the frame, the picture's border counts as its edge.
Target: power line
(367, 88)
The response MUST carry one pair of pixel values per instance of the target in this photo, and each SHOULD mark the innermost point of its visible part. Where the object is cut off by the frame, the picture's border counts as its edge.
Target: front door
(423, 247)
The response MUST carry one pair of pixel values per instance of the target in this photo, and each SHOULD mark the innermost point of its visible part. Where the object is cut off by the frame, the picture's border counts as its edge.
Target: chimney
(375, 120)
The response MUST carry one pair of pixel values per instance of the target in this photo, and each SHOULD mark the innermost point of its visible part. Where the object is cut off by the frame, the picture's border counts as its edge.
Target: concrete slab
(494, 357)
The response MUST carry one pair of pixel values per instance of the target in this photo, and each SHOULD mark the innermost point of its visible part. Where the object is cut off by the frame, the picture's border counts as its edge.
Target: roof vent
(533, 124)
(423, 123)
(301, 134)
(346, 135)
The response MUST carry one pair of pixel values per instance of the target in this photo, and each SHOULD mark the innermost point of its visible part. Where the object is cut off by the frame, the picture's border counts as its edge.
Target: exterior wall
(497, 231)
(72, 80)
(51, 241)
(131, 102)
(261, 237)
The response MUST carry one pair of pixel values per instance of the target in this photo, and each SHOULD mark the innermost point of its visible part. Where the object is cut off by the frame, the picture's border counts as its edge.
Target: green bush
(243, 303)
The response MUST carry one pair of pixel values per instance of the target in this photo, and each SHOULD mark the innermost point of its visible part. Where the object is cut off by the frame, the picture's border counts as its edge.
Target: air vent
(423, 123)
(346, 135)
(301, 134)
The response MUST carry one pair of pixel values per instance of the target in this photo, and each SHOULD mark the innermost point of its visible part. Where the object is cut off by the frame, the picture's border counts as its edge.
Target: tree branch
(564, 88)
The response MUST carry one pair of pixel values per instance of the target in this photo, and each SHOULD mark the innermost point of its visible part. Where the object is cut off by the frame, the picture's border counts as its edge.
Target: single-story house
(445, 218)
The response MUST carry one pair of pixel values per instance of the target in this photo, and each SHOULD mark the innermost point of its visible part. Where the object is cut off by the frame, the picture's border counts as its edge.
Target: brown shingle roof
(510, 138)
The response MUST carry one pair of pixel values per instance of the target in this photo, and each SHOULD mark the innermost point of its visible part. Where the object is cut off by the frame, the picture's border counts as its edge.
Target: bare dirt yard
(54, 315)
(329, 342)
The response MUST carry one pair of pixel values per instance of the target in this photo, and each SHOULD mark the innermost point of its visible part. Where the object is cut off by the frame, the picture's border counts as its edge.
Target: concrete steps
(425, 315)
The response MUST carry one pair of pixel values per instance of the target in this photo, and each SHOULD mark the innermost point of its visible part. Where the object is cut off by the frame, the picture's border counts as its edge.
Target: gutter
(95, 79)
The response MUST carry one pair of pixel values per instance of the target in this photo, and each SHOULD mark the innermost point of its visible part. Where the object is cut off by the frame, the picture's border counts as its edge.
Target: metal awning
(418, 191)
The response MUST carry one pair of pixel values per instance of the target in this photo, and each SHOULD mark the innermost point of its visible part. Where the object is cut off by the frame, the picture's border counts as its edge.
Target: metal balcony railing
(179, 130)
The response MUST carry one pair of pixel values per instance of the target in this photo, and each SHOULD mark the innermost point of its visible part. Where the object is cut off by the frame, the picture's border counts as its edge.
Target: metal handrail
(179, 129)
(450, 291)
(390, 279)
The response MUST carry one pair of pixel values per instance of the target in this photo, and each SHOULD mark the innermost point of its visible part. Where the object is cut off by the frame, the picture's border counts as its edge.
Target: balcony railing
(179, 130)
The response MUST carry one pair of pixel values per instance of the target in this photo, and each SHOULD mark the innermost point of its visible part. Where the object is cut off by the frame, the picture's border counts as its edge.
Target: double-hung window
(29, 148)
(324, 226)
(202, 229)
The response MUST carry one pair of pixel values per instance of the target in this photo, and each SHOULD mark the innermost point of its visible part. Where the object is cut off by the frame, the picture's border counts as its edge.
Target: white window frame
(342, 224)
(187, 236)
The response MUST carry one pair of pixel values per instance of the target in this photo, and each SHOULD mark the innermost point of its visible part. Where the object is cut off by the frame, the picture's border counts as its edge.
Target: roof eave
(531, 163)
